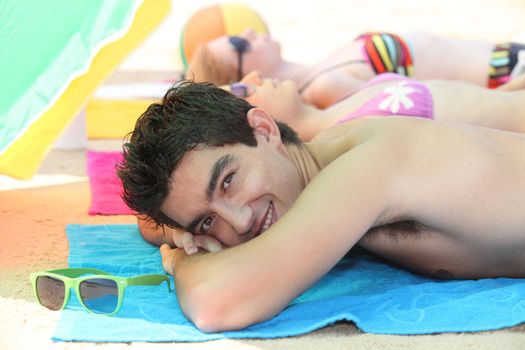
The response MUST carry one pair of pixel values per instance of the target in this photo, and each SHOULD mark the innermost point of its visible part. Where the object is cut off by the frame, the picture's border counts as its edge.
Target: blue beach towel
(378, 297)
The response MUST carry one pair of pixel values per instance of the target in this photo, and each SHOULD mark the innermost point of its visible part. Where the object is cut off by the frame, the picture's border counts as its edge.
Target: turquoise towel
(378, 297)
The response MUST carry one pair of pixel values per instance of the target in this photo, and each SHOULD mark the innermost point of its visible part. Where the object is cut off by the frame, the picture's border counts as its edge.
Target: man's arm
(237, 287)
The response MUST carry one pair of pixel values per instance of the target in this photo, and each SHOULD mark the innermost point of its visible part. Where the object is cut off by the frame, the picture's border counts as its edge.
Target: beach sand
(32, 233)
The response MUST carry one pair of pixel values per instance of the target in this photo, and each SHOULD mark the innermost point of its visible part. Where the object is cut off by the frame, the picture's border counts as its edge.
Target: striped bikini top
(384, 52)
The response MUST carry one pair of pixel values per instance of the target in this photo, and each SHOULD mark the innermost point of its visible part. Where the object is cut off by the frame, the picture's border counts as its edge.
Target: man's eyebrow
(216, 172)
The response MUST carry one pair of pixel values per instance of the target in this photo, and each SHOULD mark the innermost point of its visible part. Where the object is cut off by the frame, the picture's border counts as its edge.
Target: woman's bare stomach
(454, 59)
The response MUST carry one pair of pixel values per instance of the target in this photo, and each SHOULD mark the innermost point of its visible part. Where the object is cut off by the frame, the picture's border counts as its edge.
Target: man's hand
(191, 243)
(168, 257)
(186, 244)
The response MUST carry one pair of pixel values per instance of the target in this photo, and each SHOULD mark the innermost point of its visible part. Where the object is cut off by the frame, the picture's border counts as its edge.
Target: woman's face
(279, 98)
(264, 53)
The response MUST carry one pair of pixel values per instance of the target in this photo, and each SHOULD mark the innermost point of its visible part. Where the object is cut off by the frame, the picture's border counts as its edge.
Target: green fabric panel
(44, 45)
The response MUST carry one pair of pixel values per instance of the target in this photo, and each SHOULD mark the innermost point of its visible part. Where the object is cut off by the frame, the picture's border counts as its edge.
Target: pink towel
(105, 185)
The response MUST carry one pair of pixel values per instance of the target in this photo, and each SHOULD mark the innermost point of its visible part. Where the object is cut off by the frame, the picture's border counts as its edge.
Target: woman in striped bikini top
(419, 55)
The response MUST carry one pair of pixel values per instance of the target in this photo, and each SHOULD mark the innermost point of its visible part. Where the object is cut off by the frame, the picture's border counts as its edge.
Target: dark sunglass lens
(239, 44)
(51, 292)
(99, 295)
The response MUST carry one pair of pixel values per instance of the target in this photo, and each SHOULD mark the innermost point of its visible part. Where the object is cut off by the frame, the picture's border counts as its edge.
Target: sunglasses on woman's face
(242, 90)
(241, 46)
(98, 291)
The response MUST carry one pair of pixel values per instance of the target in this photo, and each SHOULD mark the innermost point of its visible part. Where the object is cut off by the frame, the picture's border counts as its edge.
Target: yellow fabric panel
(113, 119)
(24, 156)
(239, 17)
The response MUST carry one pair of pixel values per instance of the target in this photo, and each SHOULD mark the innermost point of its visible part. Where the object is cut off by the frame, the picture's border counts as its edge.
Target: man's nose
(254, 77)
(240, 217)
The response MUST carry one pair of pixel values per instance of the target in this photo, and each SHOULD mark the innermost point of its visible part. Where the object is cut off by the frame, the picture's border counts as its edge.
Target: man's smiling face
(233, 193)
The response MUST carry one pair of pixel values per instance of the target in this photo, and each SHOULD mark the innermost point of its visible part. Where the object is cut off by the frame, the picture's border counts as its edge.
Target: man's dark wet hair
(190, 114)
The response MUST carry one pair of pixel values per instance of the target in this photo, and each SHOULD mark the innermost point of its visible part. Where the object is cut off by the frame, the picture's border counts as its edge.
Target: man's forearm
(230, 289)
(212, 291)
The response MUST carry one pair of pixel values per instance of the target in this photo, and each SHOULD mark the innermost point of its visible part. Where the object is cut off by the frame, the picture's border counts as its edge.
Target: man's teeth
(268, 220)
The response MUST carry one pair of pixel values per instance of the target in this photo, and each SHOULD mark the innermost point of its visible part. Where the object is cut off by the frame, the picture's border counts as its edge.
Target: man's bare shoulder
(344, 137)
(342, 130)
(371, 126)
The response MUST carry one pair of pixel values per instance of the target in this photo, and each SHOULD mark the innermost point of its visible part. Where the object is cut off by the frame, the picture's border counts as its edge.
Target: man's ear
(263, 124)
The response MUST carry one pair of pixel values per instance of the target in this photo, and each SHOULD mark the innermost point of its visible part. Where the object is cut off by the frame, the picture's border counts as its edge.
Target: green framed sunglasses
(98, 291)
